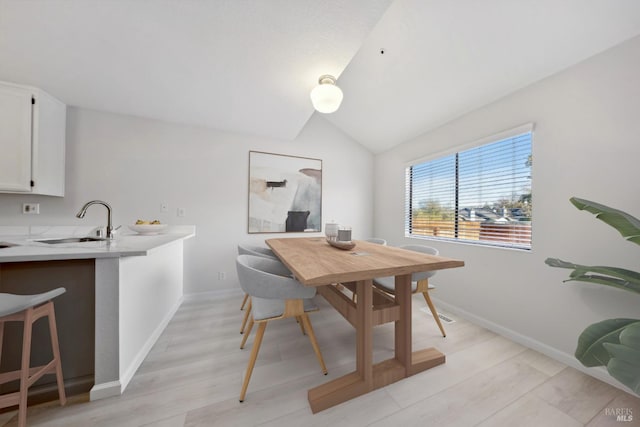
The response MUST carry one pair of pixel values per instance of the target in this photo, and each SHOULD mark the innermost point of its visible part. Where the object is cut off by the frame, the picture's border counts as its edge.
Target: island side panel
(151, 291)
(107, 344)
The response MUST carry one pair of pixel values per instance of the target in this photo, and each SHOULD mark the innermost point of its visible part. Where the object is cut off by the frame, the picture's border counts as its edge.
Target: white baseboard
(104, 390)
(126, 377)
(568, 359)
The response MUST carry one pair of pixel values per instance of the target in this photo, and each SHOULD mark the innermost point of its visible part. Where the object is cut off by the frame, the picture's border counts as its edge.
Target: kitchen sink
(72, 240)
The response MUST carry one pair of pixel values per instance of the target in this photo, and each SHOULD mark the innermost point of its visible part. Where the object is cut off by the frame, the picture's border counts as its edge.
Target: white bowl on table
(148, 229)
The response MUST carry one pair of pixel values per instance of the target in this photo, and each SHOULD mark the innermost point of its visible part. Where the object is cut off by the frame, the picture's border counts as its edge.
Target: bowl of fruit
(148, 227)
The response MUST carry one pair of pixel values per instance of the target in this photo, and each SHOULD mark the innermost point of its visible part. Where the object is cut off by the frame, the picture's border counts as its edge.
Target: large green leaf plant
(614, 343)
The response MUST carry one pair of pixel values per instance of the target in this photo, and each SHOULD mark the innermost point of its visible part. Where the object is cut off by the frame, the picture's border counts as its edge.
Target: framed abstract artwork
(285, 193)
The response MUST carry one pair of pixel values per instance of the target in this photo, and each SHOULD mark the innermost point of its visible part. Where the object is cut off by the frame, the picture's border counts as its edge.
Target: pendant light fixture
(326, 97)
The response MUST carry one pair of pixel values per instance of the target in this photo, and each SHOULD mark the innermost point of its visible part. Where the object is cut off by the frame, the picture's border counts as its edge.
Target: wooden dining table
(314, 262)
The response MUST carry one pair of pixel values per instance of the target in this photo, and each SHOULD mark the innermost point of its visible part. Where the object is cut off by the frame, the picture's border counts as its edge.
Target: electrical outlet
(31, 208)
(164, 207)
(222, 275)
(182, 212)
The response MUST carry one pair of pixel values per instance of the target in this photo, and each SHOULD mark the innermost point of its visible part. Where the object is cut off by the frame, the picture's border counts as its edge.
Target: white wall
(586, 144)
(143, 319)
(136, 164)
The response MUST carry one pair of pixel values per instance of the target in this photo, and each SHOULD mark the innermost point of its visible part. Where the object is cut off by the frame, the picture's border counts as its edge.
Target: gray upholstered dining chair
(274, 295)
(244, 249)
(261, 251)
(419, 282)
(376, 240)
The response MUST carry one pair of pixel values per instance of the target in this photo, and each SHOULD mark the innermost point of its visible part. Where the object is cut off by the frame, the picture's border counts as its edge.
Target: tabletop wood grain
(314, 262)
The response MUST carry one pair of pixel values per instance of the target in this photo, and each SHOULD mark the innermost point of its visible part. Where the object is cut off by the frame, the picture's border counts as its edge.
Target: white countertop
(126, 243)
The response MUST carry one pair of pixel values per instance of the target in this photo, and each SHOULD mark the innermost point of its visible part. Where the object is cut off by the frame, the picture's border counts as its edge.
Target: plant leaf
(624, 365)
(627, 225)
(630, 336)
(621, 278)
(590, 351)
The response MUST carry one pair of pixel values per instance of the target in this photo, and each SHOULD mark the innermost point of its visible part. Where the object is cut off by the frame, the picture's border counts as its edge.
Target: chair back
(376, 240)
(268, 278)
(244, 249)
(425, 250)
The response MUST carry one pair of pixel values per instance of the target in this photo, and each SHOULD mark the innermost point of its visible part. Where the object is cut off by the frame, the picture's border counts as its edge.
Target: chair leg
(247, 333)
(252, 359)
(299, 320)
(432, 307)
(314, 342)
(53, 330)
(24, 367)
(246, 317)
(244, 301)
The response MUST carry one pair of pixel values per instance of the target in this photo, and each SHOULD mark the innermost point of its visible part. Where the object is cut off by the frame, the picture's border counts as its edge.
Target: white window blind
(481, 195)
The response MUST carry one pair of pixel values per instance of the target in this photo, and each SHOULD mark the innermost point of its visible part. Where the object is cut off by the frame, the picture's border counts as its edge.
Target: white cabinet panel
(15, 138)
(32, 141)
(49, 135)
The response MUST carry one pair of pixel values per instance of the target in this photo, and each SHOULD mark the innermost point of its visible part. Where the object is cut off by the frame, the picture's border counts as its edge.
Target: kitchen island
(129, 287)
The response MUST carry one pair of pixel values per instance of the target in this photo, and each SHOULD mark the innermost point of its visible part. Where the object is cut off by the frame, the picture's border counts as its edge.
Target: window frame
(455, 151)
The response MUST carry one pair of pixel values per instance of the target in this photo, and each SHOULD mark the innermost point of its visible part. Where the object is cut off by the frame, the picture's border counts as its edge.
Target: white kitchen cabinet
(32, 141)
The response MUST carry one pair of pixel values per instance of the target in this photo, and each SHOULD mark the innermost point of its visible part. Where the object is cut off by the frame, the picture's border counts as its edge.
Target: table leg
(362, 380)
(412, 361)
(403, 325)
(364, 331)
(367, 376)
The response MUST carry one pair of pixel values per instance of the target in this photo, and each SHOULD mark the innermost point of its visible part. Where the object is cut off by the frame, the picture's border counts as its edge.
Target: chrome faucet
(83, 211)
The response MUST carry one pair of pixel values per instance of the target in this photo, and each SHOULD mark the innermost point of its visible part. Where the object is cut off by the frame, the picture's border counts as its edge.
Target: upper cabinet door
(15, 138)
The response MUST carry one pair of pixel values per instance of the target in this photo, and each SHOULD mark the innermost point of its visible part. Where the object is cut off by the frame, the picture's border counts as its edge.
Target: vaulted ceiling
(248, 65)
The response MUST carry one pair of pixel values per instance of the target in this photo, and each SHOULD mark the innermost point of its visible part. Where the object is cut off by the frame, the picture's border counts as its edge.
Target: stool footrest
(10, 399)
(5, 377)
(49, 368)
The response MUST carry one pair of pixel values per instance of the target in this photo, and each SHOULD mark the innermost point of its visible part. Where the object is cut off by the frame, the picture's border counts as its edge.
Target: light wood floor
(192, 377)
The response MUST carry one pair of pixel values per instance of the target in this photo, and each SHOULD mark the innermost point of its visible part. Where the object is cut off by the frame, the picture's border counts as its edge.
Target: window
(481, 195)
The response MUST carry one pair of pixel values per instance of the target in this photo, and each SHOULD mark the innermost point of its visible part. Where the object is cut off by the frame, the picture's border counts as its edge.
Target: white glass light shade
(326, 97)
